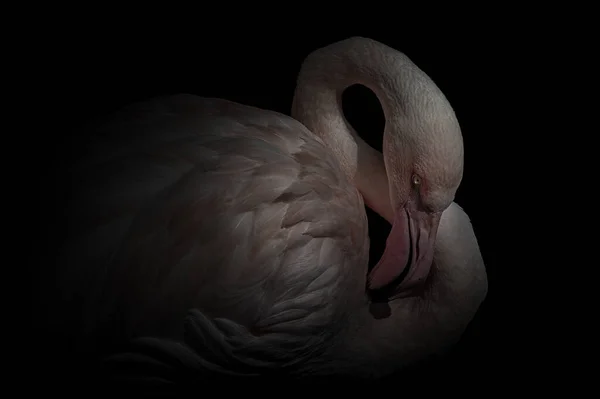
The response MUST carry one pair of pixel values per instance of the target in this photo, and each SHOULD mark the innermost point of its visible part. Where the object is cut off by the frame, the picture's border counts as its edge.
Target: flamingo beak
(408, 255)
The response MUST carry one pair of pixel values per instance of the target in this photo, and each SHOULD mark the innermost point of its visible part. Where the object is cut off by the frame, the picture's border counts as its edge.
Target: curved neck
(325, 74)
(384, 336)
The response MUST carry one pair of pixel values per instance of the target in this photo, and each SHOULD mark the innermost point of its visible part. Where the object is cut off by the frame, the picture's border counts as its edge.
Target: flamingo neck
(362, 164)
(384, 336)
(324, 76)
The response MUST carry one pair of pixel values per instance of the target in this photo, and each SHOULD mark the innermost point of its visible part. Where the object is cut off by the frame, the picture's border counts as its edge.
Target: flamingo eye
(416, 180)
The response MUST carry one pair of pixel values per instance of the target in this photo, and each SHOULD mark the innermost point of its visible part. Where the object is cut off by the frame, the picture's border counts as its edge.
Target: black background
(96, 69)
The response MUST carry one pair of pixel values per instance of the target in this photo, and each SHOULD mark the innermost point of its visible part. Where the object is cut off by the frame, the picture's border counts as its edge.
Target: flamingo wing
(239, 215)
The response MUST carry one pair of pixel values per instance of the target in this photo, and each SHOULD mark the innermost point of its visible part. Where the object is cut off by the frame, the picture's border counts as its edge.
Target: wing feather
(238, 215)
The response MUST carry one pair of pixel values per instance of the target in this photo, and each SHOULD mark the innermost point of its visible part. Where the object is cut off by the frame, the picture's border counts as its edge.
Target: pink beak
(409, 251)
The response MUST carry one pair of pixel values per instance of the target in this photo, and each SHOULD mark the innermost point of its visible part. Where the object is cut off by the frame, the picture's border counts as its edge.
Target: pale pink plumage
(245, 223)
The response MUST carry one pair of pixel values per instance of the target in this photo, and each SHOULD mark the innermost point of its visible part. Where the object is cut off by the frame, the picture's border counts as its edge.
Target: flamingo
(234, 239)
